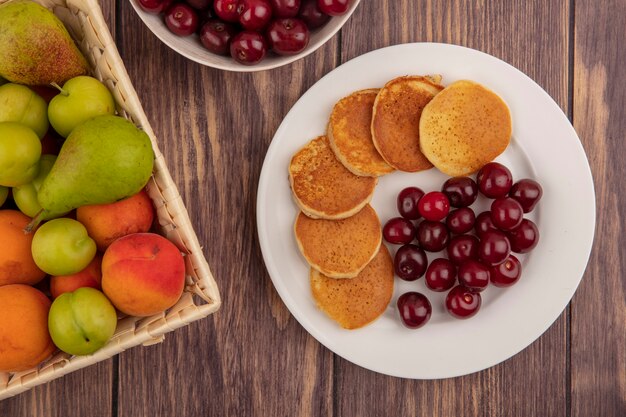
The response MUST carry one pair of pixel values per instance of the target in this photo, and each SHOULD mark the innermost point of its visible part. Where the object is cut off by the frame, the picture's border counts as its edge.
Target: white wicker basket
(84, 21)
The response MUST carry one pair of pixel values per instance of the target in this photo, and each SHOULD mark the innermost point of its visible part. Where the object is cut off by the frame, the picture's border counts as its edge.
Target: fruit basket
(84, 21)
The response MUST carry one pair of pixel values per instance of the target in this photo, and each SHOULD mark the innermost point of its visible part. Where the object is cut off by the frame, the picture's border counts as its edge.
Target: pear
(35, 47)
(103, 160)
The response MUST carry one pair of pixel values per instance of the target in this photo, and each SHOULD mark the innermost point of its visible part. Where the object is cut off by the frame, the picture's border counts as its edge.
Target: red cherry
(407, 202)
(494, 247)
(254, 14)
(462, 303)
(434, 206)
(414, 309)
(440, 275)
(288, 36)
(398, 231)
(507, 273)
(462, 248)
(410, 262)
(506, 213)
(494, 180)
(215, 36)
(524, 237)
(181, 20)
(527, 192)
(227, 10)
(155, 6)
(461, 220)
(311, 14)
(474, 275)
(285, 8)
(333, 7)
(248, 48)
(483, 223)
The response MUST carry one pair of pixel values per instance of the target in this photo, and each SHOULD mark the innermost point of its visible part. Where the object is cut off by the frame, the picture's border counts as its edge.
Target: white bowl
(191, 47)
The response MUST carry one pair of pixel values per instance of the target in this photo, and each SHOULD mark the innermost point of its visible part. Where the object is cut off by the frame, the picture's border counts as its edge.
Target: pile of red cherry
(472, 259)
(247, 29)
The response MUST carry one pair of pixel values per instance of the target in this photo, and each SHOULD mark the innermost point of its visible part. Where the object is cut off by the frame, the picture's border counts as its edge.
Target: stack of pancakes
(411, 124)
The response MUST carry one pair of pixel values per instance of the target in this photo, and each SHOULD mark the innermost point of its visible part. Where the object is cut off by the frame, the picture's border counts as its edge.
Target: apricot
(24, 338)
(16, 260)
(88, 277)
(107, 222)
(143, 274)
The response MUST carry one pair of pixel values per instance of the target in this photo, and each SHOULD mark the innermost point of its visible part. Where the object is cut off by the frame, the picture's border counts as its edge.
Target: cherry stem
(61, 90)
(35, 221)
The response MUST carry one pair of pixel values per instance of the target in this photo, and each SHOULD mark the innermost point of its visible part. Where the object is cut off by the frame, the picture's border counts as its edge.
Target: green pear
(35, 47)
(103, 160)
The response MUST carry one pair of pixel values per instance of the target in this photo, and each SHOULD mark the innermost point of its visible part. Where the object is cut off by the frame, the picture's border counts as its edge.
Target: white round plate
(544, 147)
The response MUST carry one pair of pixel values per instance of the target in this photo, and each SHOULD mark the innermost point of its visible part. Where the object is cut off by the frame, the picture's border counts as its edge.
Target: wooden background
(252, 358)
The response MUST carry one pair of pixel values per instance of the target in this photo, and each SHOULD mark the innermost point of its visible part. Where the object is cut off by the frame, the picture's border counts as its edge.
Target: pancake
(350, 134)
(339, 248)
(464, 127)
(356, 302)
(395, 121)
(322, 187)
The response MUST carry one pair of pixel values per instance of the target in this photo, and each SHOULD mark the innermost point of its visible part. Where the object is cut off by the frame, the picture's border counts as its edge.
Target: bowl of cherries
(468, 250)
(244, 35)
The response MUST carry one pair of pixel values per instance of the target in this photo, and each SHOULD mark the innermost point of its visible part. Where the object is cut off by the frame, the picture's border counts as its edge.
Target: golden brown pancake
(339, 248)
(350, 134)
(464, 127)
(322, 187)
(395, 121)
(355, 302)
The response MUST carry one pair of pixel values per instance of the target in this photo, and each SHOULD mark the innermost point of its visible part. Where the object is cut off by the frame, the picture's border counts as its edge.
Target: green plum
(25, 195)
(20, 104)
(20, 150)
(62, 247)
(81, 322)
(81, 98)
(4, 193)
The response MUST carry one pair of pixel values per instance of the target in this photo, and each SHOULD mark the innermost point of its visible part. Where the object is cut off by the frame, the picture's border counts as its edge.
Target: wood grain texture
(252, 358)
(527, 35)
(214, 128)
(598, 336)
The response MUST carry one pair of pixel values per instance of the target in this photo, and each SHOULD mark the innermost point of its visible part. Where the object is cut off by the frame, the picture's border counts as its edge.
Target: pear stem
(61, 90)
(35, 221)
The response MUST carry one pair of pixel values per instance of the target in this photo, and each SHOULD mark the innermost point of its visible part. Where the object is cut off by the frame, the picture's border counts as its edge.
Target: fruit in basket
(20, 104)
(23, 328)
(143, 274)
(107, 222)
(16, 261)
(288, 36)
(35, 47)
(105, 159)
(91, 277)
(4, 193)
(62, 247)
(25, 196)
(81, 322)
(79, 100)
(20, 150)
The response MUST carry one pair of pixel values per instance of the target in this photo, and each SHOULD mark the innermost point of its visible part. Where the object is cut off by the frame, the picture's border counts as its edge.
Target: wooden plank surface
(252, 358)
(598, 334)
